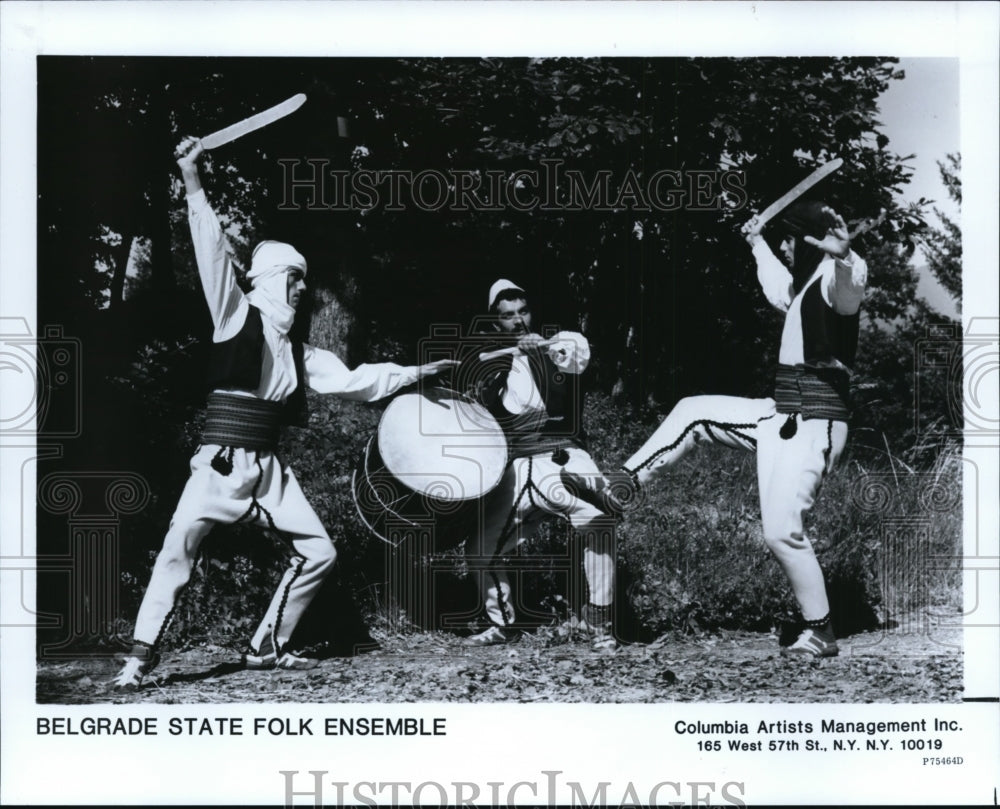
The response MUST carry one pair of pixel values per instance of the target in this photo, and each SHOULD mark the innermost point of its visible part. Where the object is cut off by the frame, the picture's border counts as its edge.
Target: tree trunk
(120, 271)
(330, 324)
(160, 151)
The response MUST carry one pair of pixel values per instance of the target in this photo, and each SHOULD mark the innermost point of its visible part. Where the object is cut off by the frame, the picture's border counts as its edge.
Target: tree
(909, 364)
(666, 294)
(944, 245)
(668, 298)
(637, 277)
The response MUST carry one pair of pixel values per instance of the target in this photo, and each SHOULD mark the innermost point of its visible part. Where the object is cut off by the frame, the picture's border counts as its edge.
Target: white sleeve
(326, 373)
(226, 301)
(570, 352)
(844, 288)
(773, 276)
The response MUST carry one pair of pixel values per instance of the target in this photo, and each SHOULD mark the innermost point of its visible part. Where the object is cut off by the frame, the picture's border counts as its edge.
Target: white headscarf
(269, 275)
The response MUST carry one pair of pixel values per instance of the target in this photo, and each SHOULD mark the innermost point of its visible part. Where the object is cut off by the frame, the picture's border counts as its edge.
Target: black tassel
(222, 463)
(560, 457)
(789, 428)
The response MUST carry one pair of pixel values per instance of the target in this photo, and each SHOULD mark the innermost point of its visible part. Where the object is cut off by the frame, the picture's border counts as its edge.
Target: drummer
(534, 393)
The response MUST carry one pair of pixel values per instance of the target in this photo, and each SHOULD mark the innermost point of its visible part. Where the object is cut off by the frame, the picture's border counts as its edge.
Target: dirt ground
(922, 664)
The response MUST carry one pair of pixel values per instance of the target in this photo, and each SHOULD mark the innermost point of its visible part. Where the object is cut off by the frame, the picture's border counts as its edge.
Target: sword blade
(254, 122)
(798, 190)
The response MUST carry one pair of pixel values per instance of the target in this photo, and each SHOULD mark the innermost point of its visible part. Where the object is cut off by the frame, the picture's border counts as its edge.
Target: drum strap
(502, 539)
(531, 489)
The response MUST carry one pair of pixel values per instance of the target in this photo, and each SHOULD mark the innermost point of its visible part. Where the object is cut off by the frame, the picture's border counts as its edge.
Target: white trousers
(531, 490)
(261, 491)
(789, 473)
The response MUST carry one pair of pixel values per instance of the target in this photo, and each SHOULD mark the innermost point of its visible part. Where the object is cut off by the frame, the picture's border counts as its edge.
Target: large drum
(425, 470)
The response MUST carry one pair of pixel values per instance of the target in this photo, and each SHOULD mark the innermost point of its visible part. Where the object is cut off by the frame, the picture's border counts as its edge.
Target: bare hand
(530, 342)
(751, 230)
(837, 241)
(437, 367)
(187, 152)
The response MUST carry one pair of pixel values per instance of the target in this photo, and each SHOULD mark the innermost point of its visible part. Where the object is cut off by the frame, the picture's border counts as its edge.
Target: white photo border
(622, 744)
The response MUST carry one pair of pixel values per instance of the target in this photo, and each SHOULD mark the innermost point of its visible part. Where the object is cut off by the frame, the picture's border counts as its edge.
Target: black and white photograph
(379, 384)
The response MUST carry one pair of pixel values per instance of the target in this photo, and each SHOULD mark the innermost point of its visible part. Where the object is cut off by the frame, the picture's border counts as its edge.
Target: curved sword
(254, 122)
(798, 190)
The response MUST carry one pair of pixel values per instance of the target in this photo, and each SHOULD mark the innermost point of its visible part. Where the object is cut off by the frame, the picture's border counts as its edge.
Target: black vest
(561, 396)
(237, 363)
(829, 340)
(820, 386)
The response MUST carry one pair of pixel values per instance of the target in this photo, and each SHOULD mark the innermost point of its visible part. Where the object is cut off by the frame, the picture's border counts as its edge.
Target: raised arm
(326, 373)
(843, 289)
(213, 253)
(773, 276)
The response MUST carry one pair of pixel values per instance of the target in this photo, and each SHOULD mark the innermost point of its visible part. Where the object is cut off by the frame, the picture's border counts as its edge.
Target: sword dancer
(236, 476)
(800, 433)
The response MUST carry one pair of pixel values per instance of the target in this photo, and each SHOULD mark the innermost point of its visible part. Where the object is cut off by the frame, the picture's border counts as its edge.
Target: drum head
(442, 444)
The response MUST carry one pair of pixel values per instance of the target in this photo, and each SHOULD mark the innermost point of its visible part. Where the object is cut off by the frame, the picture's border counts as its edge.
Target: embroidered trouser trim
(789, 473)
(531, 490)
(261, 491)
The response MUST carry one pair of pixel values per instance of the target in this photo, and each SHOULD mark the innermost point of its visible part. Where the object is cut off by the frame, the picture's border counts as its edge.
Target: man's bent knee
(320, 556)
(783, 541)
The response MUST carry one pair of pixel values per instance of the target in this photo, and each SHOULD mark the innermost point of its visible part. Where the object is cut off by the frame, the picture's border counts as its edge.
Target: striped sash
(812, 392)
(242, 421)
(523, 446)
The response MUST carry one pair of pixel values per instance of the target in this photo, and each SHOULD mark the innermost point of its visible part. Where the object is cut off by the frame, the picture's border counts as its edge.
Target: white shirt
(228, 306)
(570, 352)
(842, 286)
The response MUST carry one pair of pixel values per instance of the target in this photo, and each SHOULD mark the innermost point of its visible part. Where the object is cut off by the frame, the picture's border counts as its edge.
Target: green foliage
(698, 560)
(229, 589)
(668, 300)
(691, 559)
(907, 385)
(944, 244)
(637, 280)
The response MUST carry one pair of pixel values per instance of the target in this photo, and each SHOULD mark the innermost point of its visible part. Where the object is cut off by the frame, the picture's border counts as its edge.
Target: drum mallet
(503, 352)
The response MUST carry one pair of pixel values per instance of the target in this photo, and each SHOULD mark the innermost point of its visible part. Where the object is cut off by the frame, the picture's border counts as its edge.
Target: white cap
(501, 285)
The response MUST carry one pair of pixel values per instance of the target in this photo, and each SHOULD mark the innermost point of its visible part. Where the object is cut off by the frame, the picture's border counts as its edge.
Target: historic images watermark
(43, 377)
(545, 790)
(312, 185)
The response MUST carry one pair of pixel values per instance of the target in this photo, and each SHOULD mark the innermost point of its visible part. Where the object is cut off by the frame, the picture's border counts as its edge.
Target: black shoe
(613, 494)
(622, 490)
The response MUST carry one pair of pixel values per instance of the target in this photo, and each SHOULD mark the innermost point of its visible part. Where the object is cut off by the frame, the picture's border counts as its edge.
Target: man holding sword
(799, 434)
(255, 368)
